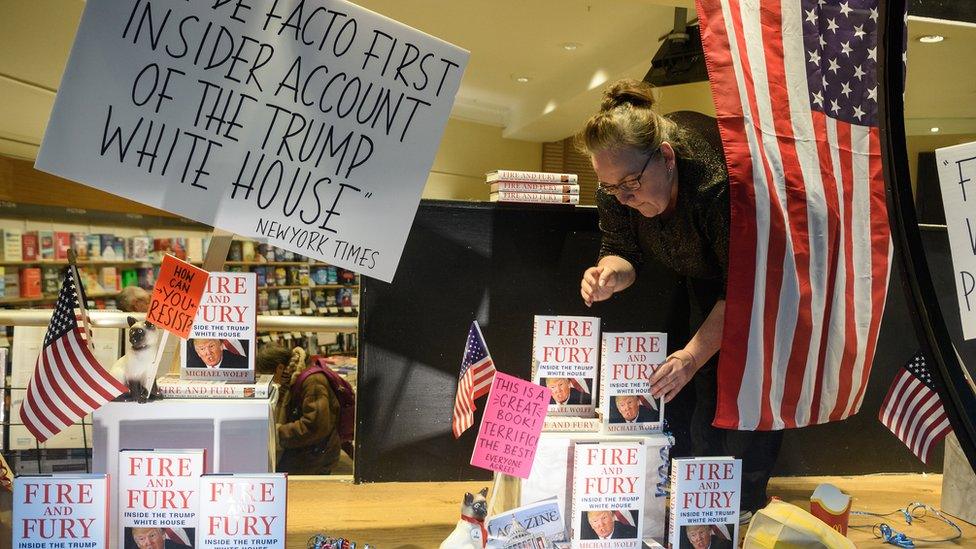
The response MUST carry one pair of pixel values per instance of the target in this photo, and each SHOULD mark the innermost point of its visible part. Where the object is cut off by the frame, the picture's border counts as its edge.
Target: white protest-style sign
(957, 178)
(309, 124)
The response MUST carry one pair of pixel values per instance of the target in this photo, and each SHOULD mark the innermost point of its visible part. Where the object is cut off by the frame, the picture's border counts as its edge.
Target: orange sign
(176, 296)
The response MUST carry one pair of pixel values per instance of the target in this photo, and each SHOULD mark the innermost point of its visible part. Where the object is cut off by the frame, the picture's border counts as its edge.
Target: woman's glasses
(630, 184)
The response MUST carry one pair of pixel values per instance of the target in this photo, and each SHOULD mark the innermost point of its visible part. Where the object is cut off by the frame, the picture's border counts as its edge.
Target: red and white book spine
(60, 511)
(531, 177)
(243, 511)
(173, 387)
(523, 187)
(534, 198)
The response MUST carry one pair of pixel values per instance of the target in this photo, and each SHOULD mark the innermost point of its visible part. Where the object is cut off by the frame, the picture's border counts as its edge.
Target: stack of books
(533, 187)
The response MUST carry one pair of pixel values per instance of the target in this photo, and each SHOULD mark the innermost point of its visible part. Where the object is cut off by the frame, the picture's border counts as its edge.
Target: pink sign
(510, 427)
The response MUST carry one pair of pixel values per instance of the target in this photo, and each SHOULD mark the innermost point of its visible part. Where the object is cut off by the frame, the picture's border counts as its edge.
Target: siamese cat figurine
(137, 368)
(470, 532)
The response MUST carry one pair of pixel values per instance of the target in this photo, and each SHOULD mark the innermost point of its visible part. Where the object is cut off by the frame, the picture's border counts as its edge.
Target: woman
(664, 193)
(306, 416)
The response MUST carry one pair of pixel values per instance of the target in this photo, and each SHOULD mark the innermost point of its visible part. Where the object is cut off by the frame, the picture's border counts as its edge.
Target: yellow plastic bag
(784, 526)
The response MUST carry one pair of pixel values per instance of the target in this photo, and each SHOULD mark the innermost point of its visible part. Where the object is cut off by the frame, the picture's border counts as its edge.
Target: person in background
(306, 417)
(664, 193)
(133, 299)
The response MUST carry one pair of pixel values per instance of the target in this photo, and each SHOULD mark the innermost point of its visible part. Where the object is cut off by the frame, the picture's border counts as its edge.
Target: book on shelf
(523, 187)
(629, 360)
(12, 245)
(247, 250)
(221, 342)
(62, 243)
(118, 244)
(158, 492)
(138, 248)
(106, 244)
(94, 243)
(11, 282)
(51, 280)
(29, 246)
(51, 509)
(79, 243)
(30, 282)
(608, 494)
(45, 245)
(532, 177)
(236, 251)
(194, 248)
(705, 497)
(243, 511)
(129, 277)
(109, 279)
(173, 387)
(565, 355)
(533, 198)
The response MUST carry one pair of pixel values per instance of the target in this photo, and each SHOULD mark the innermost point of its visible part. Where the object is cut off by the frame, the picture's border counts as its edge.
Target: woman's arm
(679, 368)
(610, 275)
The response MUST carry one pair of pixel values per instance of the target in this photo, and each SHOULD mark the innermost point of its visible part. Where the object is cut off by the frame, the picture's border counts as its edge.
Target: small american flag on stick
(68, 382)
(912, 410)
(477, 373)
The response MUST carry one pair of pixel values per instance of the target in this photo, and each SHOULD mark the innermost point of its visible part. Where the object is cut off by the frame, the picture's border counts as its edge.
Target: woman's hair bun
(636, 93)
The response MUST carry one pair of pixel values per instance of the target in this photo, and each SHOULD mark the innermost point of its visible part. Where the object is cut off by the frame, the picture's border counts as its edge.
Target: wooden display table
(421, 515)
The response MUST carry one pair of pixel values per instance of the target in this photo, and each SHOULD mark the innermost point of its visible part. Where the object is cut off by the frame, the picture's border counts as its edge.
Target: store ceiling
(507, 39)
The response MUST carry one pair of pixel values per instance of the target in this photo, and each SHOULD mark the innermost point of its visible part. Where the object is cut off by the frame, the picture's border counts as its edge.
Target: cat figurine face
(470, 533)
(475, 505)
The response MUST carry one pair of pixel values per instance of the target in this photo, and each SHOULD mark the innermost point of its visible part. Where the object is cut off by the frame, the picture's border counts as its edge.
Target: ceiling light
(931, 38)
(521, 79)
(934, 130)
(570, 46)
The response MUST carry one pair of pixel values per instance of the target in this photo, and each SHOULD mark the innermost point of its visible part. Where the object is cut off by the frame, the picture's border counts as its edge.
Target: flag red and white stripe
(474, 381)
(912, 409)
(795, 89)
(68, 382)
(233, 346)
(579, 383)
(624, 517)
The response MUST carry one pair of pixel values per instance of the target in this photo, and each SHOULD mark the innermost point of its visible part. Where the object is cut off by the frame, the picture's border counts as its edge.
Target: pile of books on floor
(533, 187)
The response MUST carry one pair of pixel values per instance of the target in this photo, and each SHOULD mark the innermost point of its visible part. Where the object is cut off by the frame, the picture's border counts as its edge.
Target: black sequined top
(693, 238)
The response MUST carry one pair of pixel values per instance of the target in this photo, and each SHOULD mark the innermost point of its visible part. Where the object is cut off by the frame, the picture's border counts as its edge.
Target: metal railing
(117, 319)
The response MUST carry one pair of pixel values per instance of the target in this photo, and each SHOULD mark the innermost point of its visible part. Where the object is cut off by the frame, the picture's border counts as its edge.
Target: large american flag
(912, 409)
(796, 93)
(68, 382)
(477, 373)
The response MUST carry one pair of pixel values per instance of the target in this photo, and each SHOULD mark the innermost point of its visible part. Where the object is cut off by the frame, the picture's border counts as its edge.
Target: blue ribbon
(889, 535)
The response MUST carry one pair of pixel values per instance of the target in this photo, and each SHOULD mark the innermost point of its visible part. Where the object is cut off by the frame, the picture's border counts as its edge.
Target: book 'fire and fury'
(629, 360)
(242, 511)
(608, 495)
(565, 358)
(158, 491)
(60, 512)
(705, 497)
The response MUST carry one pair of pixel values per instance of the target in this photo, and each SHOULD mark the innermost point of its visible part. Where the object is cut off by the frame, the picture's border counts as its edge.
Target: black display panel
(502, 264)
